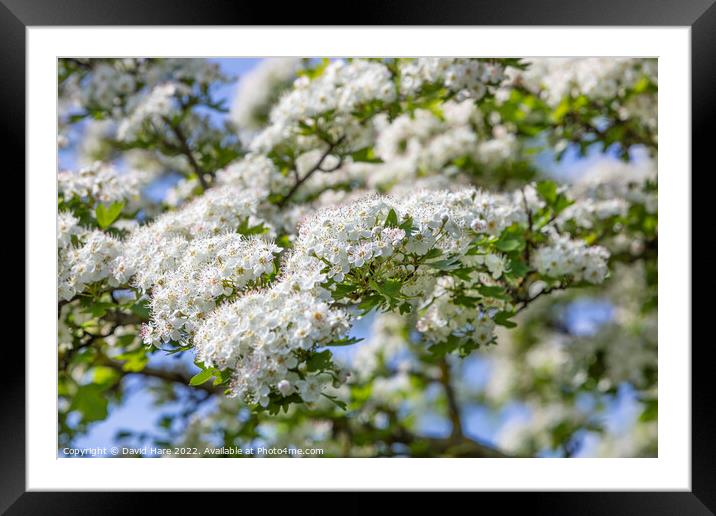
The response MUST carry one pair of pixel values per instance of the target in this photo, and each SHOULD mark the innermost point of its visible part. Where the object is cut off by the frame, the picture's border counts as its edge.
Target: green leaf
(405, 308)
(105, 376)
(391, 221)
(561, 203)
(443, 348)
(134, 361)
(141, 309)
(346, 341)
(204, 376)
(247, 230)
(503, 319)
(463, 273)
(468, 301)
(338, 403)
(389, 288)
(319, 361)
(277, 403)
(518, 268)
(541, 218)
(433, 253)
(560, 111)
(496, 292)
(98, 308)
(448, 264)
(367, 155)
(650, 412)
(369, 303)
(179, 349)
(223, 376)
(91, 402)
(511, 239)
(510, 242)
(343, 289)
(407, 225)
(106, 215)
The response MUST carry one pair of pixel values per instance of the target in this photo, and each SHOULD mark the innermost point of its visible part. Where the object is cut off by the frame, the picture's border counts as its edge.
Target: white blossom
(469, 78)
(100, 183)
(84, 257)
(258, 88)
(209, 270)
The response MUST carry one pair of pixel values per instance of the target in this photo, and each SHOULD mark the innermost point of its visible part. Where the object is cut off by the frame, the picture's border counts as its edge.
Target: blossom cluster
(444, 317)
(379, 246)
(611, 179)
(468, 78)
(100, 183)
(608, 188)
(152, 250)
(346, 107)
(105, 87)
(135, 103)
(425, 141)
(112, 87)
(339, 90)
(349, 236)
(599, 78)
(624, 347)
(209, 270)
(563, 256)
(253, 171)
(451, 258)
(263, 335)
(257, 90)
(84, 256)
(329, 106)
(153, 109)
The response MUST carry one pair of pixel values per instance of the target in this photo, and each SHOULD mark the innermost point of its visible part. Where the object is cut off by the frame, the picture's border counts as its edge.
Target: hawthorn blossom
(84, 257)
(100, 183)
(209, 270)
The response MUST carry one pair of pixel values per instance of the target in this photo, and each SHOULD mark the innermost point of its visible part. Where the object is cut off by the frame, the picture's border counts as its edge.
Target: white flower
(285, 387)
(154, 108)
(565, 257)
(258, 88)
(101, 183)
(496, 264)
(339, 89)
(470, 78)
(310, 389)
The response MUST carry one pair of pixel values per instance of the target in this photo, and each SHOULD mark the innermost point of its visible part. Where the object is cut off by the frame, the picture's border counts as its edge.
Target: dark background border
(700, 15)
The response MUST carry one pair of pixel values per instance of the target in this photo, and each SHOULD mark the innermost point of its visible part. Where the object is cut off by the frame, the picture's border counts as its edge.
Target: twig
(527, 302)
(167, 375)
(453, 407)
(529, 227)
(315, 168)
(186, 151)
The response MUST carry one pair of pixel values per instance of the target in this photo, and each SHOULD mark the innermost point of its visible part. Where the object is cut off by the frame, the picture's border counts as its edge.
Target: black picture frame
(700, 15)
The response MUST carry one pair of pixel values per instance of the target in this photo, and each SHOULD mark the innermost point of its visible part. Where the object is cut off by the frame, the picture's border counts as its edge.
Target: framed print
(416, 251)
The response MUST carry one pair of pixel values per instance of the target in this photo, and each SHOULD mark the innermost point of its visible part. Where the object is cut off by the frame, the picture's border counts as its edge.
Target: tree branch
(527, 302)
(315, 168)
(186, 151)
(453, 407)
(168, 375)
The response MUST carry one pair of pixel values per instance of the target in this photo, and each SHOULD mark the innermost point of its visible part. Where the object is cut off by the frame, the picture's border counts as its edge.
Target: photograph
(357, 257)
